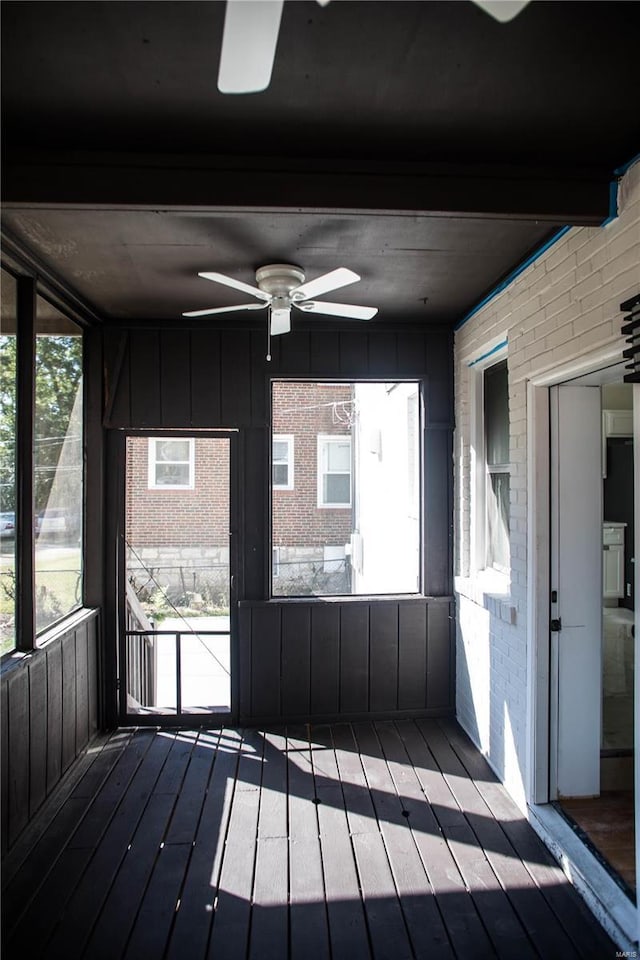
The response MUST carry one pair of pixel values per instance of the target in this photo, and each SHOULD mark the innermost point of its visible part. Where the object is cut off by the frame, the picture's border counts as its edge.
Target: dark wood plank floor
(367, 841)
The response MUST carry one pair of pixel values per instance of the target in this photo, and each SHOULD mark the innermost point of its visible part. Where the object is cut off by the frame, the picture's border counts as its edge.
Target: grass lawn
(57, 588)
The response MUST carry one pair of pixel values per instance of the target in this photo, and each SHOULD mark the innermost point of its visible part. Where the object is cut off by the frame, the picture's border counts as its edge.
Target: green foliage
(58, 377)
(7, 422)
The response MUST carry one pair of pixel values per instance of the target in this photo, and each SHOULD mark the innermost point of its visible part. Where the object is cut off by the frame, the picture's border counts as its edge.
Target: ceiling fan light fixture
(502, 10)
(249, 41)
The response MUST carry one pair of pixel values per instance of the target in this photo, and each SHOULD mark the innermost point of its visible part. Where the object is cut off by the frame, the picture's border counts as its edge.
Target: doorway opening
(593, 616)
(177, 603)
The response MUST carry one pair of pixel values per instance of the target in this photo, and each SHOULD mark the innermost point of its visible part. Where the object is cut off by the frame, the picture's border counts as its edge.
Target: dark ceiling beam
(565, 196)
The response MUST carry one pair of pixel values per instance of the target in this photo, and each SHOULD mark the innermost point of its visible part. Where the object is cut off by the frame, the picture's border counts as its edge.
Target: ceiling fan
(250, 37)
(282, 286)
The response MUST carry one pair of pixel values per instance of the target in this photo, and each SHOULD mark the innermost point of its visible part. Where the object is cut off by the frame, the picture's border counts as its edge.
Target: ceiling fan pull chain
(269, 336)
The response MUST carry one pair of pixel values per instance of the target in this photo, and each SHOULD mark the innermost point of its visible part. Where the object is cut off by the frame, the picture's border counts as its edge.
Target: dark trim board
(320, 661)
(578, 196)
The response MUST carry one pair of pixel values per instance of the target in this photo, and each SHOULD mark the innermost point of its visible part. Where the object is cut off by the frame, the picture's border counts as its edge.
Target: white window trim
(152, 485)
(289, 440)
(323, 440)
(497, 580)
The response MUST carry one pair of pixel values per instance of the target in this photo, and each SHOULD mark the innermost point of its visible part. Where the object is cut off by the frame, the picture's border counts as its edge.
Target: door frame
(539, 660)
(191, 720)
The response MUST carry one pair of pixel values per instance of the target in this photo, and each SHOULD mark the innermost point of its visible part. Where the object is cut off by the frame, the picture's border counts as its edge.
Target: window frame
(481, 469)
(153, 463)
(289, 439)
(323, 441)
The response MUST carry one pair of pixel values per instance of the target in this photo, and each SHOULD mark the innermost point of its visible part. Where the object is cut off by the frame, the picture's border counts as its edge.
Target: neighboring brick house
(177, 514)
(178, 497)
(312, 486)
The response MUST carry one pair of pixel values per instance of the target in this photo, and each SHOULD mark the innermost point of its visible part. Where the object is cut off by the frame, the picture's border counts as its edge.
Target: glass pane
(172, 450)
(339, 456)
(357, 447)
(58, 465)
(177, 573)
(280, 474)
(176, 474)
(337, 488)
(7, 464)
(280, 448)
(498, 521)
(496, 414)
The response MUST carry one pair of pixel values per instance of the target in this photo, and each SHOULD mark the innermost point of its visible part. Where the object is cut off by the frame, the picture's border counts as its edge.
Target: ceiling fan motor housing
(279, 279)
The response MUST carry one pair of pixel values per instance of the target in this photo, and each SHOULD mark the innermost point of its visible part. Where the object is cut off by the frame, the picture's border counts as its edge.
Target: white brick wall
(562, 307)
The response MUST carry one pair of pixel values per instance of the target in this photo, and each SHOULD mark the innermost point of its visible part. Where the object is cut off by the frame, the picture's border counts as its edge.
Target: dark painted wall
(220, 378)
(49, 715)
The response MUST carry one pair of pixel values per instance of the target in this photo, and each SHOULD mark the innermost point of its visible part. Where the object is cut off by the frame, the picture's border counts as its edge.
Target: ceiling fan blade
(349, 310)
(328, 281)
(236, 284)
(502, 10)
(280, 320)
(210, 312)
(249, 43)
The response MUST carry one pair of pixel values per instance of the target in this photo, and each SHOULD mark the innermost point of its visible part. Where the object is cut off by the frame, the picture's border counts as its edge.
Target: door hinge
(556, 625)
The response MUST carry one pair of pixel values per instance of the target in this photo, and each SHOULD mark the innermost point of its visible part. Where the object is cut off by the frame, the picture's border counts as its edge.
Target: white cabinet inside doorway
(613, 560)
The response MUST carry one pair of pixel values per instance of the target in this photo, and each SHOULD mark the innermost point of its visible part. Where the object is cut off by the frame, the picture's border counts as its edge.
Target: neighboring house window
(282, 462)
(334, 471)
(171, 462)
(496, 446)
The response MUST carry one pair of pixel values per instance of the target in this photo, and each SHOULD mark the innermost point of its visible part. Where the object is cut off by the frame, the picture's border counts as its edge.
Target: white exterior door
(576, 584)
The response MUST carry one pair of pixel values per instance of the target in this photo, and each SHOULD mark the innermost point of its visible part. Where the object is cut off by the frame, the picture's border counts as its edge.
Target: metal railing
(144, 642)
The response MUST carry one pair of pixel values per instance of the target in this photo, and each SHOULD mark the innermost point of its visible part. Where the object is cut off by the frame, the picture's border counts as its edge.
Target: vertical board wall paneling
(18, 696)
(296, 660)
(291, 355)
(236, 378)
(92, 676)
(46, 714)
(82, 687)
(68, 647)
(175, 371)
(265, 652)
(438, 521)
(354, 355)
(412, 656)
(37, 733)
(383, 658)
(254, 508)
(54, 715)
(325, 658)
(354, 658)
(4, 769)
(206, 395)
(117, 368)
(439, 655)
(325, 352)
(146, 387)
(383, 358)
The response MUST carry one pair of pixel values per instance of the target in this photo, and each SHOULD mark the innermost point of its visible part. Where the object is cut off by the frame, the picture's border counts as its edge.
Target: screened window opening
(351, 525)
(496, 439)
(170, 463)
(8, 537)
(58, 465)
